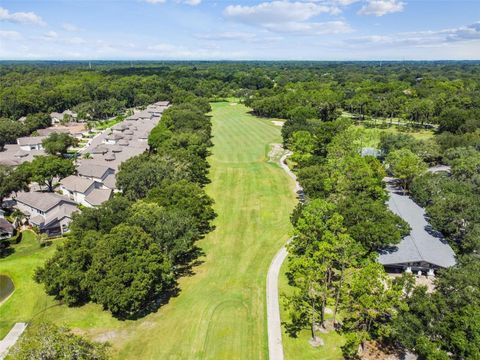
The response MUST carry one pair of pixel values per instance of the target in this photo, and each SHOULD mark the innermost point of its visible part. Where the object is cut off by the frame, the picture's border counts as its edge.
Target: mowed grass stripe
(220, 312)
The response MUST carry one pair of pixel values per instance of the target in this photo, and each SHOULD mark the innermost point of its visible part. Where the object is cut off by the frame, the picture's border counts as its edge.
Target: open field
(372, 135)
(220, 311)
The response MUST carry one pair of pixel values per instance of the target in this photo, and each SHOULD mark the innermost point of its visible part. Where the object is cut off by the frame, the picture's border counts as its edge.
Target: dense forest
(328, 107)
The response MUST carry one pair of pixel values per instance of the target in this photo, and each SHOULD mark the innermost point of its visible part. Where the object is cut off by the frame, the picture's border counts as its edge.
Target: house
(162, 103)
(30, 143)
(84, 191)
(67, 115)
(6, 229)
(423, 249)
(50, 212)
(94, 172)
(119, 128)
(113, 138)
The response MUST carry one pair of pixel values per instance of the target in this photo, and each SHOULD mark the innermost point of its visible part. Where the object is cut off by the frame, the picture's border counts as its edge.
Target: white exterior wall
(78, 197)
(31, 147)
(29, 210)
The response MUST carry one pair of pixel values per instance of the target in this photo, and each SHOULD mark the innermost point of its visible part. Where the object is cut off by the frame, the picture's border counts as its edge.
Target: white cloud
(21, 17)
(69, 27)
(465, 33)
(277, 12)
(49, 35)
(290, 17)
(192, 2)
(227, 36)
(170, 51)
(311, 28)
(381, 7)
(10, 35)
(155, 1)
(430, 38)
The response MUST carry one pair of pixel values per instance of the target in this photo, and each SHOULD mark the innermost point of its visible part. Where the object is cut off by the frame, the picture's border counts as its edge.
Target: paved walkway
(11, 338)
(275, 346)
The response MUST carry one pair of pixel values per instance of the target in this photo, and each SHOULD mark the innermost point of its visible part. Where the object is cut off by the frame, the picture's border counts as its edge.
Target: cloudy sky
(240, 29)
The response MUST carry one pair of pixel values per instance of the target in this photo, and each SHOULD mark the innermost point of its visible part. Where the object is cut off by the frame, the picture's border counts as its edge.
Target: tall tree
(58, 143)
(405, 165)
(45, 169)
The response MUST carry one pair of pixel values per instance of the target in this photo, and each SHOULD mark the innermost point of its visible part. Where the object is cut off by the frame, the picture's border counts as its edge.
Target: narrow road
(275, 346)
(11, 339)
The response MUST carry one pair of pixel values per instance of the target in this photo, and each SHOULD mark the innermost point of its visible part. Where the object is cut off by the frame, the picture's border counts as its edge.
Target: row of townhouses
(94, 181)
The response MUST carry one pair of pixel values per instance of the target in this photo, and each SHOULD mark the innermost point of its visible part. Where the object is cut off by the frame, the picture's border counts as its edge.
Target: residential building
(6, 229)
(85, 191)
(95, 172)
(30, 143)
(67, 115)
(50, 212)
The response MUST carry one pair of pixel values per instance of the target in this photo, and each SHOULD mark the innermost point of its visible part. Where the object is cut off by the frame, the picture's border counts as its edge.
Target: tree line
(344, 222)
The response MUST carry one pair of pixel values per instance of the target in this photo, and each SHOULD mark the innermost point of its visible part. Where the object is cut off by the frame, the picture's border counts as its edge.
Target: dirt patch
(278, 123)
(233, 104)
(316, 342)
(374, 351)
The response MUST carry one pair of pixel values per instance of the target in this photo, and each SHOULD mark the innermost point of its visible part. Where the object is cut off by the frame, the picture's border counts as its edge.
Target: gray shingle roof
(30, 140)
(5, 226)
(423, 244)
(110, 182)
(77, 183)
(41, 201)
(98, 196)
(93, 170)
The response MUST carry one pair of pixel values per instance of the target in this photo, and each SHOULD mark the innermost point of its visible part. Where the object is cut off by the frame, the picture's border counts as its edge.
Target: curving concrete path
(11, 338)
(275, 346)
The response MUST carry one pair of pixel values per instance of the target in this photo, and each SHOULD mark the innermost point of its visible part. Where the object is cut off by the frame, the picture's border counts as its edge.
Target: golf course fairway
(220, 311)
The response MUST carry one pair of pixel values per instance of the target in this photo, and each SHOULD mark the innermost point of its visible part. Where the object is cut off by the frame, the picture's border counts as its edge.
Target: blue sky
(240, 29)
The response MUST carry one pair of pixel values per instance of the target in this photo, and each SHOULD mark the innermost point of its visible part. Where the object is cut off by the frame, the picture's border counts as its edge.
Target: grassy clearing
(372, 135)
(299, 348)
(220, 311)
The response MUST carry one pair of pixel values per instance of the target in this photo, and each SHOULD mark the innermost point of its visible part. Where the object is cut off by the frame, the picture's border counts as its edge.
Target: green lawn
(372, 135)
(28, 300)
(220, 311)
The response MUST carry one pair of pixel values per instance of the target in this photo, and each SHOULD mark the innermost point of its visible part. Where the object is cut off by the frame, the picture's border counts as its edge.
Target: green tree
(58, 143)
(11, 180)
(188, 198)
(45, 169)
(173, 230)
(371, 300)
(302, 143)
(49, 342)
(405, 165)
(10, 131)
(444, 324)
(64, 276)
(129, 272)
(371, 224)
(138, 175)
